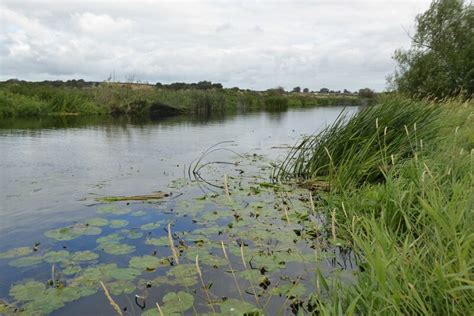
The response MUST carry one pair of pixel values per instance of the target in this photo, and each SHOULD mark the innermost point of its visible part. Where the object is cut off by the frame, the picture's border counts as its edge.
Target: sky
(250, 44)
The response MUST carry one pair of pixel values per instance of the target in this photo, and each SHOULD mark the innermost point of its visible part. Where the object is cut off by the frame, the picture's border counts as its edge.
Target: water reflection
(55, 165)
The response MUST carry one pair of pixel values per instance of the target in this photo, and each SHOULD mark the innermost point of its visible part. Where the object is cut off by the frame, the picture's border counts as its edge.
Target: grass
(403, 202)
(20, 99)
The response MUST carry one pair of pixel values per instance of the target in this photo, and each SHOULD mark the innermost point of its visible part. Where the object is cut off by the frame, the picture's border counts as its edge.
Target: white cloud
(100, 23)
(337, 44)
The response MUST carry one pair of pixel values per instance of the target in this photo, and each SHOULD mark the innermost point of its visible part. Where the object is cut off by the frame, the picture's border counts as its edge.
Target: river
(52, 170)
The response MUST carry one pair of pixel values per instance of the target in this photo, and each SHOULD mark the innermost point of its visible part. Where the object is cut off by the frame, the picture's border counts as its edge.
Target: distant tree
(296, 89)
(440, 61)
(346, 91)
(324, 90)
(366, 93)
(305, 90)
(276, 91)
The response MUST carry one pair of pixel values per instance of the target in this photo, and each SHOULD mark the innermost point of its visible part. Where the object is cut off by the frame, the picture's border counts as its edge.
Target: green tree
(366, 93)
(440, 61)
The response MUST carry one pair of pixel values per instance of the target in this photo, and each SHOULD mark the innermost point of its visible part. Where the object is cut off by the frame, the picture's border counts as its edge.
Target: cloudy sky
(250, 44)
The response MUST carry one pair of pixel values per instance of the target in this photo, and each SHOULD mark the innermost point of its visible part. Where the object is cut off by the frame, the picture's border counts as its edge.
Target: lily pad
(177, 303)
(138, 213)
(109, 238)
(205, 257)
(184, 274)
(56, 256)
(72, 232)
(26, 261)
(27, 291)
(116, 248)
(162, 241)
(113, 209)
(121, 287)
(132, 234)
(97, 221)
(118, 223)
(147, 263)
(150, 226)
(71, 269)
(122, 274)
(84, 256)
(16, 252)
(236, 307)
(290, 290)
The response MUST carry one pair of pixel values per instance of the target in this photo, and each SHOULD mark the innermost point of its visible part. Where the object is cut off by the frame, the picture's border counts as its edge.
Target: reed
(407, 214)
(352, 150)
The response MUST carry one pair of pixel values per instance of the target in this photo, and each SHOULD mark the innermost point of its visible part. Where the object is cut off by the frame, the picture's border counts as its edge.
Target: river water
(52, 170)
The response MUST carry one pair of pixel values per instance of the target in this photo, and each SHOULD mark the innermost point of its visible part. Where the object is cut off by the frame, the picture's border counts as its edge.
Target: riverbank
(401, 197)
(30, 99)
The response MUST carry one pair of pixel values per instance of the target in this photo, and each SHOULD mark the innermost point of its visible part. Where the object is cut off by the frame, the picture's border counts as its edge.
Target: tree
(296, 89)
(324, 90)
(306, 90)
(366, 93)
(440, 61)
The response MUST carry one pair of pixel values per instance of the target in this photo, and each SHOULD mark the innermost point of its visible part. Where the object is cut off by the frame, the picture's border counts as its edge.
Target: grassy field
(38, 99)
(402, 198)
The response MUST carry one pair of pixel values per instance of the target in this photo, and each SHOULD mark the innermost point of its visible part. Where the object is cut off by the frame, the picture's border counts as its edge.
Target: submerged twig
(159, 309)
(171, 243)
(111, 300)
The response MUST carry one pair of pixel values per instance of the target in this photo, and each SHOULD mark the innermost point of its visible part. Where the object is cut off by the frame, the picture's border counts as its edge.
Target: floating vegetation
(57, 256)
(84, 256)
(155, 196)
(96, 221)
(118, 223)
(237, 307)
(138, 213)
(116, 248)
(148, 263)
(16, 252)
(26, 261)
(113, 209)
(268, 232)
(150, 226)
(131, 234)
(72, 232)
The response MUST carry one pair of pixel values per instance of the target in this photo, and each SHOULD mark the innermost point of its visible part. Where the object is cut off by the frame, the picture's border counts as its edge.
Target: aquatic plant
(361, 149)
(408, 216)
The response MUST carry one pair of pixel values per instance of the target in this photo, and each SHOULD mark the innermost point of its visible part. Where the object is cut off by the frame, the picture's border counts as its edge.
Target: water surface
(52, 170)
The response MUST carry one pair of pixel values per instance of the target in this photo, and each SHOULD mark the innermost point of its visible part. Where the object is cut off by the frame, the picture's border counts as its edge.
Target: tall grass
(36, 99)
(360, 149)
(409, 220)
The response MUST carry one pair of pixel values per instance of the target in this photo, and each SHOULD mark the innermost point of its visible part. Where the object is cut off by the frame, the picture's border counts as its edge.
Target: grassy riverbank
(402, 198)
(38, 99)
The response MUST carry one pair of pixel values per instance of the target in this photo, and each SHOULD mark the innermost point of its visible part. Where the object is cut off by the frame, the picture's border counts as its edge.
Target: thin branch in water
(159, 309)
(111, 300)
(171, 243)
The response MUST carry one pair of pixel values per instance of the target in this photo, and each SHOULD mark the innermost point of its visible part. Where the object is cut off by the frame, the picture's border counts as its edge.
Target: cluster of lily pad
(263, 234)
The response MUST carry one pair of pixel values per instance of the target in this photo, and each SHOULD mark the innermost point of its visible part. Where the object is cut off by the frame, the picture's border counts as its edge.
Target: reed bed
(402, 195)
(355, 150)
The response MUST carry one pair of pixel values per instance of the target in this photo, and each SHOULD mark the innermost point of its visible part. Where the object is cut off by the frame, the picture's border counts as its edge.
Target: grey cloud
(338, 44)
